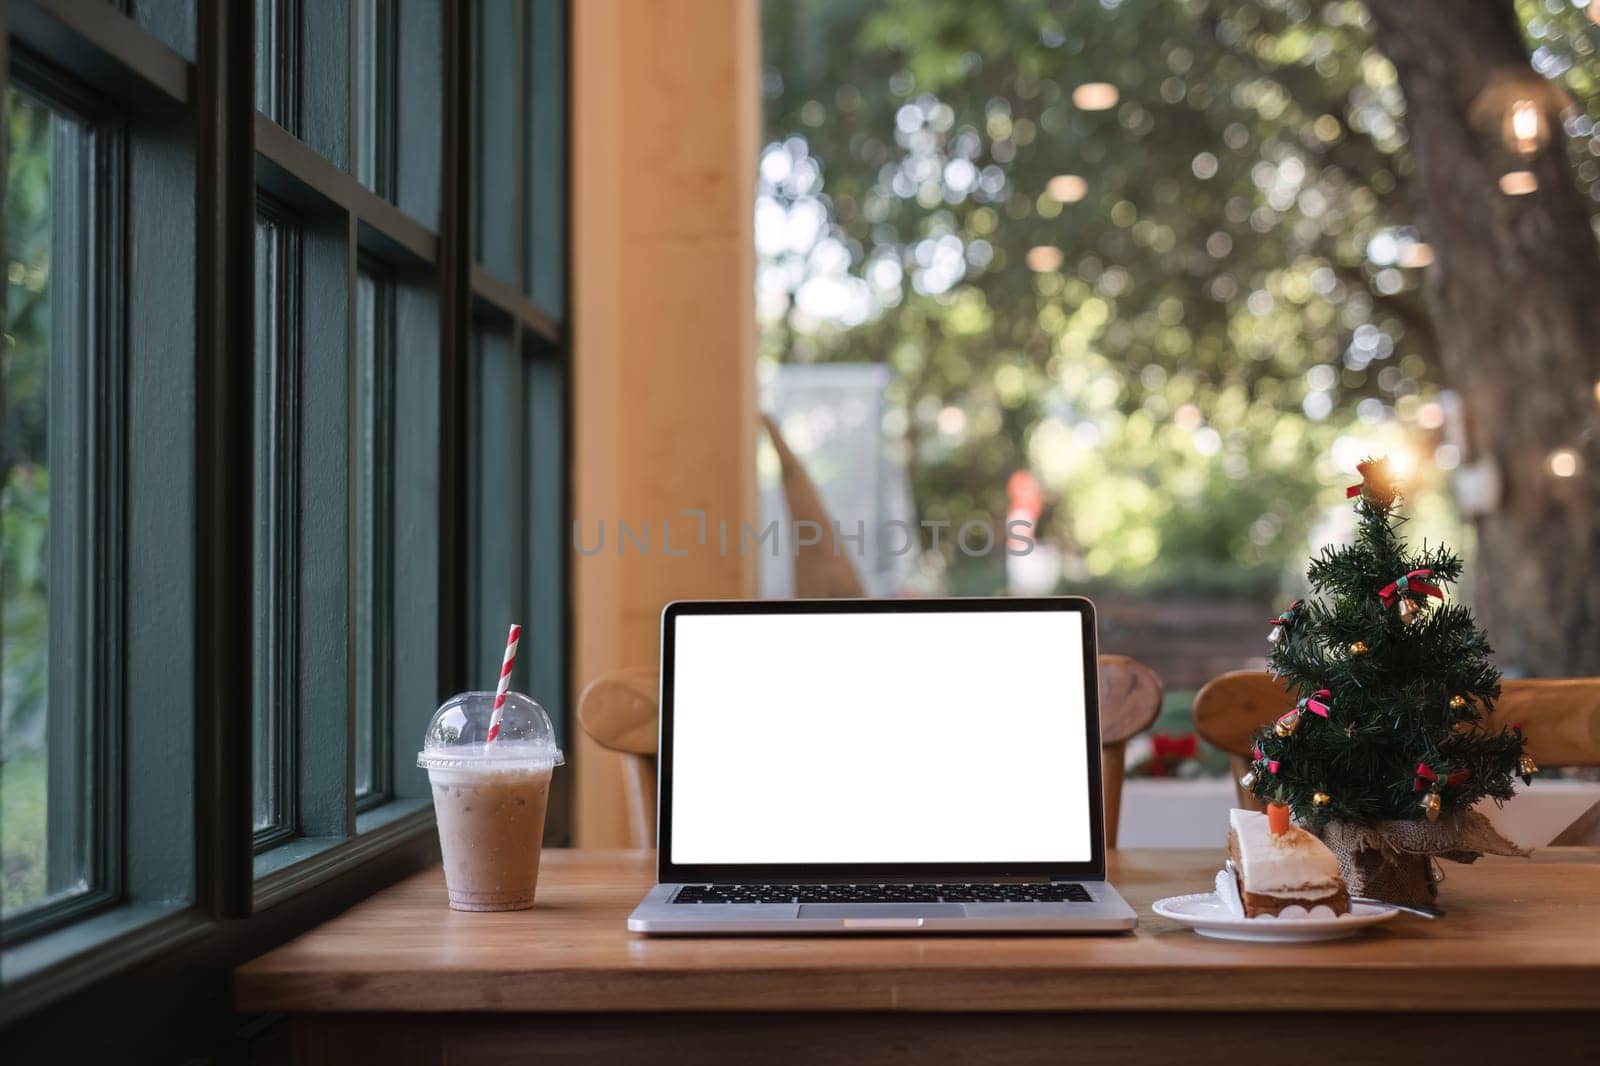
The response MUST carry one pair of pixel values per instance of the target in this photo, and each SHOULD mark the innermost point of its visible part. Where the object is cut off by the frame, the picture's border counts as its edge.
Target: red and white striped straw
(505, 679)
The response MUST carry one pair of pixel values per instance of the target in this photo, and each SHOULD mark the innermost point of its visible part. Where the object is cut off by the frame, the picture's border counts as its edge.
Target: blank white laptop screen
(949, 737)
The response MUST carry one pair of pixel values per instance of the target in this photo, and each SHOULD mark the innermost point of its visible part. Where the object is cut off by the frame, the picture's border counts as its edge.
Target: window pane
(276, 389)
(275, 41)
(374, 533)
(374, 81)
(546, 159)
(496, 140)
(46, 732)
(496, 488)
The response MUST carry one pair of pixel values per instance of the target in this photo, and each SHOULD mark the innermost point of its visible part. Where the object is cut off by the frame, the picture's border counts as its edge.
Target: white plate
(1207, 915)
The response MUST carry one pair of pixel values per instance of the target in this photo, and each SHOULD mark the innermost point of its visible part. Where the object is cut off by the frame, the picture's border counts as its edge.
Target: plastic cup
(490, 799)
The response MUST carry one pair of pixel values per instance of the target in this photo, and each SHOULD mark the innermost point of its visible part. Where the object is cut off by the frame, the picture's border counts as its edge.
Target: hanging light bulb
(1517, 107)
(1526, 129)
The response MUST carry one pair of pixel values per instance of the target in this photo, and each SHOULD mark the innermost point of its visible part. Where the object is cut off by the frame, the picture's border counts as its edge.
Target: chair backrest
(619, 711)
(1130, 700)
(1559, 718)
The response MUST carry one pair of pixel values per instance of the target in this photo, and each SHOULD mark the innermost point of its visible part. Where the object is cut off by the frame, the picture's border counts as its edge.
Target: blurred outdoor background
(1156, 275)
(25, 500)
(1152, 275)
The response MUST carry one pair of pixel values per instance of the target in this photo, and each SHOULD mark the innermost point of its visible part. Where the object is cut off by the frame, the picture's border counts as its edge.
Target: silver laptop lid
(861, 739)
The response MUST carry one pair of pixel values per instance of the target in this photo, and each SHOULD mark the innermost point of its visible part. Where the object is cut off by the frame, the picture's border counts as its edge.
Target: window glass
(374, 531)
(496, 144)
(268, 48)
(373, 77)
(273, 548)
(46, 792)
(497, 492)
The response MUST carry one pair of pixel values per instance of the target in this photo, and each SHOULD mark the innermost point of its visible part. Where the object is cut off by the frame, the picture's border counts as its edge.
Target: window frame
(97, 574)
(380, 653)
(278, 444)
(182, 82)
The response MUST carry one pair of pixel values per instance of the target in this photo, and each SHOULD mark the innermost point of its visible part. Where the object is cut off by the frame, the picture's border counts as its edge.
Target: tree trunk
(1514, 291)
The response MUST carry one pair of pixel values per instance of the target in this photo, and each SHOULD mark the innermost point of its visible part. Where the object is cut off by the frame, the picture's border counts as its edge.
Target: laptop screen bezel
(672, 872)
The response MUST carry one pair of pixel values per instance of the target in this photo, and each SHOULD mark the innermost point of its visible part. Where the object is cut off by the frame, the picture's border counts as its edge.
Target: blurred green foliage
(23, 818)
(1170, 310)
(25, 504)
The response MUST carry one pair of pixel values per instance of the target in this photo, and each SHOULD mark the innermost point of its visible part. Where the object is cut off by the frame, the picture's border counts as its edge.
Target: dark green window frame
(373, 476)
(275, 548)
(189, 889)
(87, 363)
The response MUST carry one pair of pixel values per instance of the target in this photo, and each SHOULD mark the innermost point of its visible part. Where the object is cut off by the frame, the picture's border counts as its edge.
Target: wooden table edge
(1351, 989)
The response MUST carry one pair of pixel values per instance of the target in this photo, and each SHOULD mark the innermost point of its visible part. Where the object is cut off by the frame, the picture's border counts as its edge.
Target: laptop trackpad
(882, 910)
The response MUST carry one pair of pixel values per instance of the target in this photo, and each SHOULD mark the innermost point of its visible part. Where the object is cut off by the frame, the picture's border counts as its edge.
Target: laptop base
(657, 915)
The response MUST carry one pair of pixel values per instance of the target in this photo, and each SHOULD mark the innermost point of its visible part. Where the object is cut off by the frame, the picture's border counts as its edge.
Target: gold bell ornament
(1526, 766)
(1320, 799)
(1431, 805)
(1409, 592)
(1457, 702)
(1359, 648)
(1286, 725)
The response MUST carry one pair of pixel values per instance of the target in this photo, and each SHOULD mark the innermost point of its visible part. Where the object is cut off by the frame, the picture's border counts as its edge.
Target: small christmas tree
(1393, 684)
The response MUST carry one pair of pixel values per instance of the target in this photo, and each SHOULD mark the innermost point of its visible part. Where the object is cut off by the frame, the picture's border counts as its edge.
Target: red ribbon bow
(1405, 583)
(1287, 615)
(1315, 702)
(1425, 774)
(1355, 490)
(1272, 764)
(1166, 746)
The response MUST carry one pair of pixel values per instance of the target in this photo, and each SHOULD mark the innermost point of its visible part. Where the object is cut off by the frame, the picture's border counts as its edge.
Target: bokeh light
(1067, 188)
(1416, 255)
(1518, 183)
(1564, 462)
(1095, 96)
(1044, 258)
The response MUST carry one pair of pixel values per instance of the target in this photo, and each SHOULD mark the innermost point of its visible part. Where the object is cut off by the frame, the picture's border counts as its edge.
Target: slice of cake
(1277, 870)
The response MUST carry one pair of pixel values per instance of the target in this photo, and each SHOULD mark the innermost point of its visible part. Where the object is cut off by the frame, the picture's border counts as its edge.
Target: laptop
(880, 766)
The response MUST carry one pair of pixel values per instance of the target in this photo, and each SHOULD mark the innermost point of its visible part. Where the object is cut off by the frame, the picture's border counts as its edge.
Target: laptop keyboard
(979, 893)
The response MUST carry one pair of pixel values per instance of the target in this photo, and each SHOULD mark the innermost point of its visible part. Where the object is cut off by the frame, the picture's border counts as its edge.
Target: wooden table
(1513, 971)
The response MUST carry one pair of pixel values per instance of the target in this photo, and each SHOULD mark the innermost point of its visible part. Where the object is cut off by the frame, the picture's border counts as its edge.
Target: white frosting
(1288, 864)
(1228, 893)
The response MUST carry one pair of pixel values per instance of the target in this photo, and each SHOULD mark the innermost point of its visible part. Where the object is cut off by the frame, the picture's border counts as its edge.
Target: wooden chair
(619, 711)
(1560, 718)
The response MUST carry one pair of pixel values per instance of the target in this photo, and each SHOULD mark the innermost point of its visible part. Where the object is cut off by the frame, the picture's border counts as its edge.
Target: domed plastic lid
(457, 737)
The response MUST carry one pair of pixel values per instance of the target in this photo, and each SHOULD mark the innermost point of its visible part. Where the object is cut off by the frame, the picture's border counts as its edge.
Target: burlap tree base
(1394, 860)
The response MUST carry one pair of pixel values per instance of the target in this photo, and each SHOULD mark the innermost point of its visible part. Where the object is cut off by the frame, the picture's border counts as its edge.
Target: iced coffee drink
(490, 798)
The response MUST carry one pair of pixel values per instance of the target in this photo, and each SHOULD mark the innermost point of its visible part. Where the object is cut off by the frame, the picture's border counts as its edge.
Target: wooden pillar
(665, 142)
